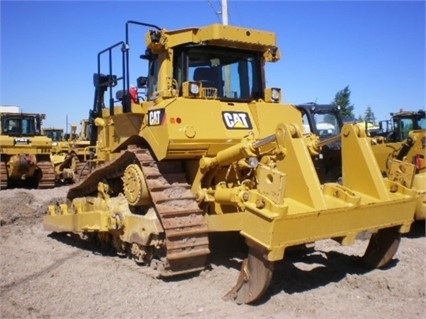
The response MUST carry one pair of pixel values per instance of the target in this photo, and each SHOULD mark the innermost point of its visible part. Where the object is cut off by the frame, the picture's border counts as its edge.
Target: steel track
(185, 229)
(48, 175)
(3, 175)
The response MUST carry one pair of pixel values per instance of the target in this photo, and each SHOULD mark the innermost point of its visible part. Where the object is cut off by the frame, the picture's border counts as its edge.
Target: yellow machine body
(70, 152)
(407, 165)
(196, 157)
(25, 152)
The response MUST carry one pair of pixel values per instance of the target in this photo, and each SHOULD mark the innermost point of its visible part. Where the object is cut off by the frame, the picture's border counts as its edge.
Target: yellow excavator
(201, 146)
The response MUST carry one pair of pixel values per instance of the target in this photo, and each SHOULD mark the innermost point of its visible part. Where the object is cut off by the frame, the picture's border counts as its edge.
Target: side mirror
(142, 81)
(119, 95)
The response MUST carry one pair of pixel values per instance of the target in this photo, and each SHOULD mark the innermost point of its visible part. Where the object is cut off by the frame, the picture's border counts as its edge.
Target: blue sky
(49, 49)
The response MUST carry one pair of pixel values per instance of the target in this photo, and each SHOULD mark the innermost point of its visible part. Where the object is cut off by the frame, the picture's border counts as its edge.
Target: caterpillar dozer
(400, 151)
(394, 132)
(24, 151)
(82, 151)
(62, 161)
(407, 165)
(208, 149)
(70, 153)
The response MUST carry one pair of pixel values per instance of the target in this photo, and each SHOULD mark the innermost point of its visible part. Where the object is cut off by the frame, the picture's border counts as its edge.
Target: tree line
(342, 99)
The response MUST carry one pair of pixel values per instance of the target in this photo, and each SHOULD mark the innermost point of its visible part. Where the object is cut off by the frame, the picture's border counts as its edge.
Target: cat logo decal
(237, 120)
(156, 117)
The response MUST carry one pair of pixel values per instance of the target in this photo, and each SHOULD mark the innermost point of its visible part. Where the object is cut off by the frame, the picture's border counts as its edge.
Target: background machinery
(62, 162)
(55, 134)
(70, 153)
(209, 149)
(83, 152)
(324, 122)
(400, 150)
(394, 132)
(399, 147)
(24, 151)
(407, 165)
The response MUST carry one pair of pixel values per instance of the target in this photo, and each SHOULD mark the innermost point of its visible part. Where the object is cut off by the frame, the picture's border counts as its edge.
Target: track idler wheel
(253, 280)
(382, 247)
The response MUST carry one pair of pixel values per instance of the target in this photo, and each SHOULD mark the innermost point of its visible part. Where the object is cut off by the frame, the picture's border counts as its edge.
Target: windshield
(403, 126)
(55, 135)
(326, 124)
(19, 125)
(231, 73)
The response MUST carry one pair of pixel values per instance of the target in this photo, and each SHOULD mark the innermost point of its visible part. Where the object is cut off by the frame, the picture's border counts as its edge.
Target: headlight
(272, 95)
(191, 89)
(194, 88)
(275, 94)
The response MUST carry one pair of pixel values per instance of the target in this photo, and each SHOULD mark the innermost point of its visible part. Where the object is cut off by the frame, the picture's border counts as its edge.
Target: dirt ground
(49, 276)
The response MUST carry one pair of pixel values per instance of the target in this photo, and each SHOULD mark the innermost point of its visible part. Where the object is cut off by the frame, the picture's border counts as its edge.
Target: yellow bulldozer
(407, 165)
(203, 147)
(71, 154)
(83, 152)
(60, 155)
(400, 151)
(24, 151)
(393, 133)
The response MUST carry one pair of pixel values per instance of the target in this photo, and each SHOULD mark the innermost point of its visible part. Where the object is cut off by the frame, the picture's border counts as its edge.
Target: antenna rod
(224, 12)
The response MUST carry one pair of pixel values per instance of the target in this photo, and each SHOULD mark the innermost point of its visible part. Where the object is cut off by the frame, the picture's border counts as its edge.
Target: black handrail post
(126, 64)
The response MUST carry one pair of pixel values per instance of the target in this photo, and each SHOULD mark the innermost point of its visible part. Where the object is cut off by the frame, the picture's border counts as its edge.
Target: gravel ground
(49, 276)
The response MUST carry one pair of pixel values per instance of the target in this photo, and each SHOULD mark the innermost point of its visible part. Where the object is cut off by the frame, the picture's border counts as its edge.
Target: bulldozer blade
(382, 247)
(253, 280)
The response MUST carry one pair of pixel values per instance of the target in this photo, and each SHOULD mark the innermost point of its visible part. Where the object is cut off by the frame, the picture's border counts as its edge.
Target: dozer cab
(55, 134)
(394, 132)
(324, 121)
(401, 123)
(208, 148)
(24, 152)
